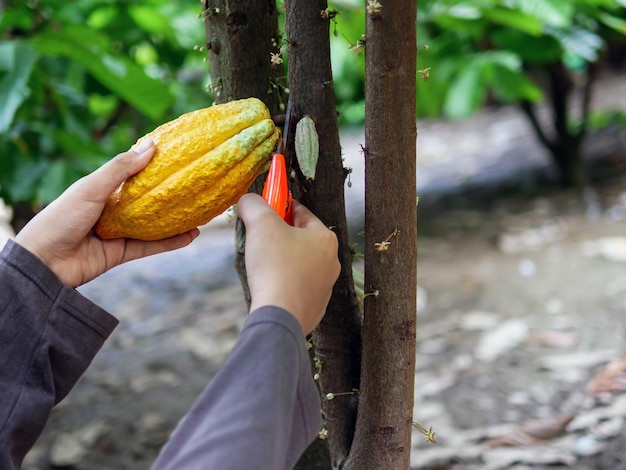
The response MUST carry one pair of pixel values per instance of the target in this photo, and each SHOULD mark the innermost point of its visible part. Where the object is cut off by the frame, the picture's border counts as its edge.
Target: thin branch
(560, 87)
(530, 111)
(586, 104)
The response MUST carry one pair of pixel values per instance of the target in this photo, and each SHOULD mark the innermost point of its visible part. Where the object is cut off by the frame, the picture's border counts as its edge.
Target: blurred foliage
(471, 52)
(81, 80)
(492, 47)
(348, 65)
(492, 52)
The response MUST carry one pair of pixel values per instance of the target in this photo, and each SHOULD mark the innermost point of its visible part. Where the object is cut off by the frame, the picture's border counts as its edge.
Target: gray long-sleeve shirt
(260, 411)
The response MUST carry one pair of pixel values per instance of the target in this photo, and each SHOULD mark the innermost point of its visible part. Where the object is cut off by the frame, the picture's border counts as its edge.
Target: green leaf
(149, 18)
(579, 44)
(531, 49)
(510, 86)
(102, 17)
(26, 174)
(462, 26)
(16, 17)
(602, 3)
(462, 17)
(461, 10)
(186, 36)
(556, 13)
(504, 58)
(56, 179)
(614, 22)
(16, 64)
(466, 93)
(120, 75)
(512, 18)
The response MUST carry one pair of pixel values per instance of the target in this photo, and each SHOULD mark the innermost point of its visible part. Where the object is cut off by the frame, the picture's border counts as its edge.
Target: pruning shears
(276, 191)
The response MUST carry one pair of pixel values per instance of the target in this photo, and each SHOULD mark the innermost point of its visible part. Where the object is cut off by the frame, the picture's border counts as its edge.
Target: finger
(136, 249)
(97, 186)
(304, 218)
(252, 208)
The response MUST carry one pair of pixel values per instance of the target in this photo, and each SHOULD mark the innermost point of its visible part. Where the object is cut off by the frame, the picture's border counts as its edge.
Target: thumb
(304, 218)
(252, 208)
(97, 186)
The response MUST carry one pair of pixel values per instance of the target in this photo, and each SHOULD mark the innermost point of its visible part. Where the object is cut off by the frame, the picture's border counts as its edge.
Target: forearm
(260, 411)
(49, 334)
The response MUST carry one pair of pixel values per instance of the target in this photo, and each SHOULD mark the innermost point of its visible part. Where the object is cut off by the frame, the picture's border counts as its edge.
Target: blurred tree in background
(524, 52)
(518, 52)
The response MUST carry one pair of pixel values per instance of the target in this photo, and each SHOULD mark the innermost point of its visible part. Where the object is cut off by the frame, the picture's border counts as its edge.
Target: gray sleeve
(49, 334)
(260, 411)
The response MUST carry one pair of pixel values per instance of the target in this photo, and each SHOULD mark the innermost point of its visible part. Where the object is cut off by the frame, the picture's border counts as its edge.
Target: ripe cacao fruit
(203, 162)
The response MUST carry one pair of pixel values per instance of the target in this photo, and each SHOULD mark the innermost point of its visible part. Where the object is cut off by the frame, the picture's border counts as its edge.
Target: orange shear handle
(276, 191)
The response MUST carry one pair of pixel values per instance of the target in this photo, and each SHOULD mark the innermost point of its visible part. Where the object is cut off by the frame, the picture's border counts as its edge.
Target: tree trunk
(240, 36)
(384, 422)
(337, 340)
(567, 156)
(565, 148)
(564, 143)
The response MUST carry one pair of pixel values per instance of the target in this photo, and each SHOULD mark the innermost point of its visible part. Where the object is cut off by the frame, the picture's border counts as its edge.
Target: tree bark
(384, 421)
(239, 40)
(337, 340)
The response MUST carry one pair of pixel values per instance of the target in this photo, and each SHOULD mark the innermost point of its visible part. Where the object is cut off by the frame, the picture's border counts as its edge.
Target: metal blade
(282, 145)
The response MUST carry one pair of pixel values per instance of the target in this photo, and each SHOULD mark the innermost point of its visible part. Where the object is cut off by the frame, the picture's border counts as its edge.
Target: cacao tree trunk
(240, 36)
(384, 420)
(337, 340)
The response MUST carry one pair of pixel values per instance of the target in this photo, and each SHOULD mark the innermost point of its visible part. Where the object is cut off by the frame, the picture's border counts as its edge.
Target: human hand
(293, 268)
(61, 234)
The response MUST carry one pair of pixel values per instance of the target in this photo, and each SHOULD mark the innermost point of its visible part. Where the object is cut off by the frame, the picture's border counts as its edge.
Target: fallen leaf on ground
(557, 339)
(611, 379)
(533, 431)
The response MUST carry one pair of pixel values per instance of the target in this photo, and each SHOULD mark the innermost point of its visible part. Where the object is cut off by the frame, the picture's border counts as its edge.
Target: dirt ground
(522, 301)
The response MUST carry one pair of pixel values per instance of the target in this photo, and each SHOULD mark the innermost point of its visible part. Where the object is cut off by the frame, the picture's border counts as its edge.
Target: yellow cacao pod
(203, 162)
